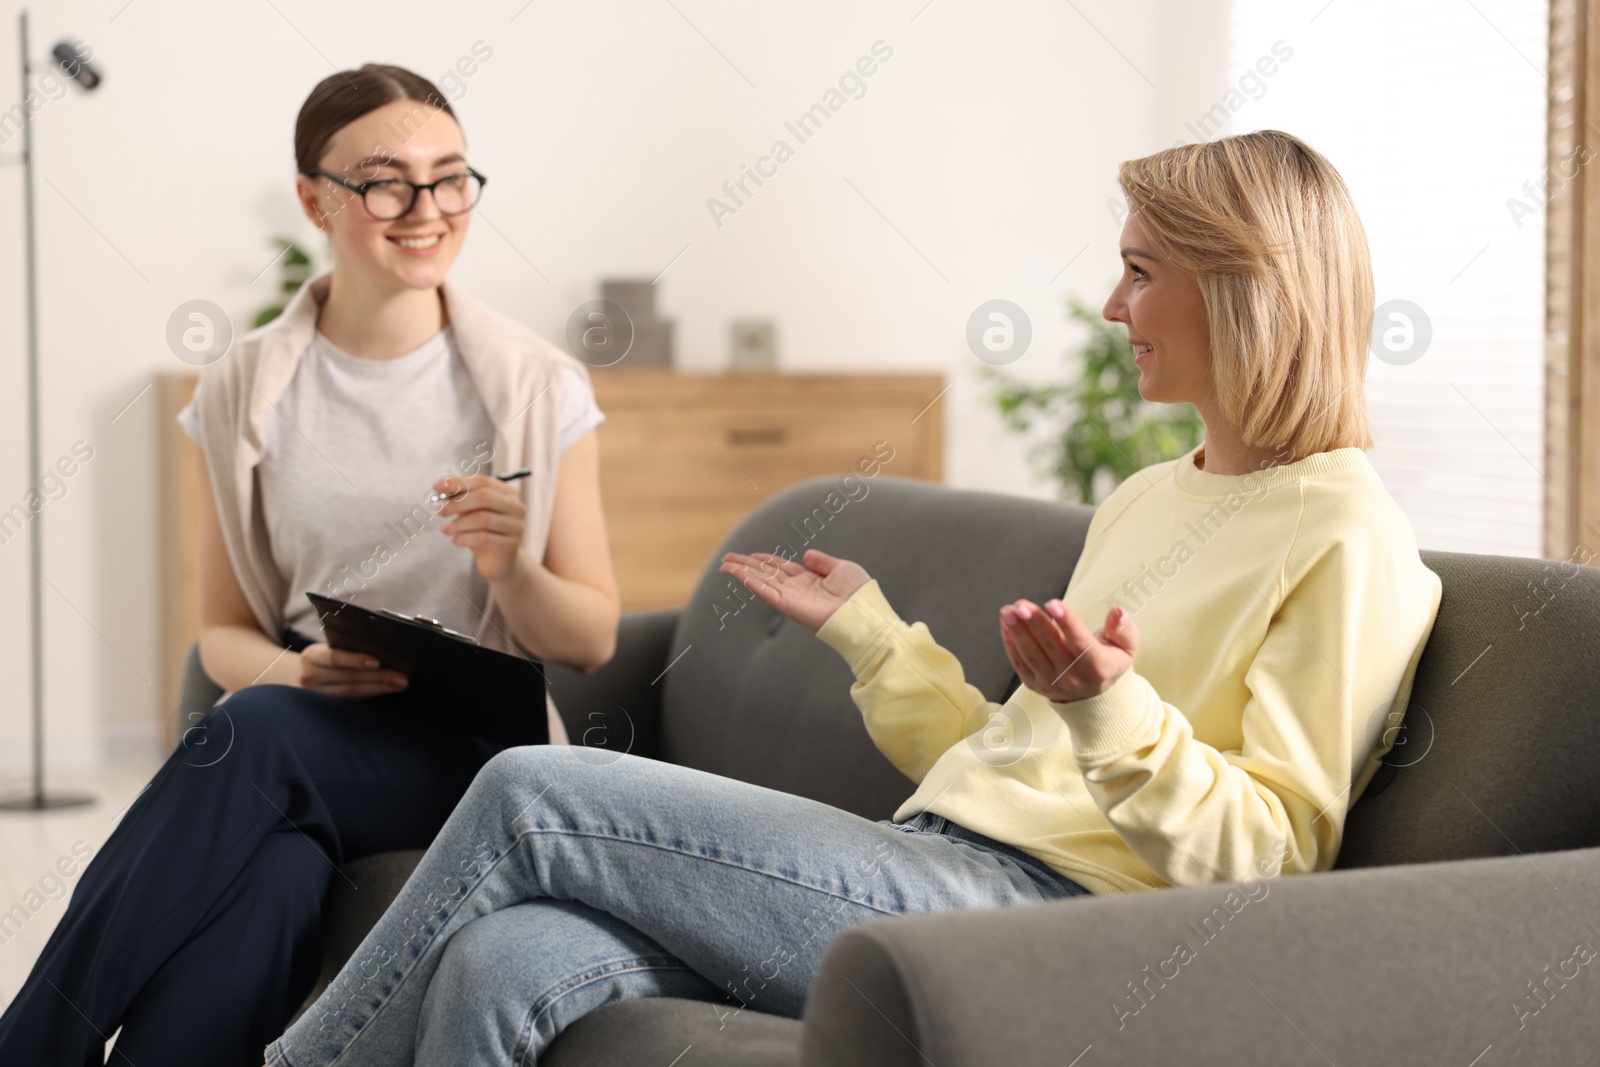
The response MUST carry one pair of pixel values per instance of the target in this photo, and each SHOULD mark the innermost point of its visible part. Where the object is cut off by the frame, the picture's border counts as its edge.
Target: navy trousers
(197, 928)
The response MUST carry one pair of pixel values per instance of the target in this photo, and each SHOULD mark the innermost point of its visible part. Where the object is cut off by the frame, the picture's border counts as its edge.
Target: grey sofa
(1454, 929)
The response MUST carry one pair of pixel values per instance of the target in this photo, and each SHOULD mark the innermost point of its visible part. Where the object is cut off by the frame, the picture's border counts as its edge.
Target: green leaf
(294, 269)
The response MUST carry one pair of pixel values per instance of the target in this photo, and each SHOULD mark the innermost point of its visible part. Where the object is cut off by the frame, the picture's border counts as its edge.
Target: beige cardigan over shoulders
(514, 369)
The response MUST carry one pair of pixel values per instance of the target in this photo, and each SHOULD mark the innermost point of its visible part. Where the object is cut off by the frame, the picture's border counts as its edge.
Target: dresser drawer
(683, 457)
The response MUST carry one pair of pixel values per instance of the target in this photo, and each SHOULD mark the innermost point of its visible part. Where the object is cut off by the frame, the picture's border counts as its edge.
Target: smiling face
(1167, 325)
(365, 150)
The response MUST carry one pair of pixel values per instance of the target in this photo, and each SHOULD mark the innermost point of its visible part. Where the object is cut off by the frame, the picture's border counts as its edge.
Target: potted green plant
(294, 267)
(1099, 429)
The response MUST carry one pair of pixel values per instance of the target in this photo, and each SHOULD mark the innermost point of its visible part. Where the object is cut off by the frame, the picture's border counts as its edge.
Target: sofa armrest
(196, 695)
(619, 705)
(1423, 963)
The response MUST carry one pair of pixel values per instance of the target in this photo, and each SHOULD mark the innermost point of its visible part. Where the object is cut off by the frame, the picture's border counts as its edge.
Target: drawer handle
(756, 437)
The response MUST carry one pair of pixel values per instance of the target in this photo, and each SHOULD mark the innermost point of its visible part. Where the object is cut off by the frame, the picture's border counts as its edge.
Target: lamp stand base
(46, 802)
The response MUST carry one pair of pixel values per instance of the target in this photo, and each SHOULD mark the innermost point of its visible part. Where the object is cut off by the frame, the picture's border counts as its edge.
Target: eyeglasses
(392, 198)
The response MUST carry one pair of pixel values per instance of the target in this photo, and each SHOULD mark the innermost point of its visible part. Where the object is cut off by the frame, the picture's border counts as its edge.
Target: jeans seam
(1040, 869)
(710, 859)
(601, 972)
(1030, 865)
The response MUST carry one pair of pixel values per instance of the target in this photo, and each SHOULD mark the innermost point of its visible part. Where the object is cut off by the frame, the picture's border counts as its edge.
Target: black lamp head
(74, 59)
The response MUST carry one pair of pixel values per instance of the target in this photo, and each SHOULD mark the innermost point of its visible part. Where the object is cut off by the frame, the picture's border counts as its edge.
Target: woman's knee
(512, 769)
(554, 773)
(252, 708)
(215, 736)
(470, 952)
(258, 721)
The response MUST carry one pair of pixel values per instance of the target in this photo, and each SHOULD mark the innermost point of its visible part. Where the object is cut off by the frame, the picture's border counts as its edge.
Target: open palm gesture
(807, 594)
(1056, 656)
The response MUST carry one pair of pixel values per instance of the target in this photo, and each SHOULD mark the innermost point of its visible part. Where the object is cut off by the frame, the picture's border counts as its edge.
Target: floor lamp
(75, 65)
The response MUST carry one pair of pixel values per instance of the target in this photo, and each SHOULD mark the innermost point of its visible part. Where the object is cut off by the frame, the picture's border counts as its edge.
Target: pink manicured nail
(1057, 609)
(1024, 613)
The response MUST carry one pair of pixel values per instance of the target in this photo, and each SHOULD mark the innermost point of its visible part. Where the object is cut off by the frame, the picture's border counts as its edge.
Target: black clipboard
(451, 677)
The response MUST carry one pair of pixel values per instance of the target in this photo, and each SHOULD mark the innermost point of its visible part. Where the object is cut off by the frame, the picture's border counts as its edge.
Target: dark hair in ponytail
(340, 99)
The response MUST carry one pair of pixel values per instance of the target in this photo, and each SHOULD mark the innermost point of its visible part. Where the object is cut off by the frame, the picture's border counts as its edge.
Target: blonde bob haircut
(1268, 229)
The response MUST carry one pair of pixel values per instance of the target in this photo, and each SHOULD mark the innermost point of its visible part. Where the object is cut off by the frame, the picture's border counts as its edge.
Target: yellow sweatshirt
(1281, 614)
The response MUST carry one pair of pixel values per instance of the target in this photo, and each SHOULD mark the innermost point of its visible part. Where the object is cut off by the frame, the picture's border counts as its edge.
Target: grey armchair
(1466, 891)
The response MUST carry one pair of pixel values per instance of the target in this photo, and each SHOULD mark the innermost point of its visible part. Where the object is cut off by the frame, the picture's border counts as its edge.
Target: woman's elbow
(207, 643)
(600, 655)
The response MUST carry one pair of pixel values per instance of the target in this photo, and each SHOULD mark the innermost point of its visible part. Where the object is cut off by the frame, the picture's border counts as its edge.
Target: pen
(508, 477)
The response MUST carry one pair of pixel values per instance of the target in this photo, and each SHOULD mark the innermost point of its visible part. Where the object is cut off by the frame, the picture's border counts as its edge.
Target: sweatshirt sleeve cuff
(859, 626)
(1126, 716)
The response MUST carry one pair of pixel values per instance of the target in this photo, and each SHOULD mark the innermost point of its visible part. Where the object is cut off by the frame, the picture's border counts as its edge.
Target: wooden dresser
(683, 457)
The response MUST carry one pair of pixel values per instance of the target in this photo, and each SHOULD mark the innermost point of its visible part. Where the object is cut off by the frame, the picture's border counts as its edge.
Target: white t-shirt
(352, 450)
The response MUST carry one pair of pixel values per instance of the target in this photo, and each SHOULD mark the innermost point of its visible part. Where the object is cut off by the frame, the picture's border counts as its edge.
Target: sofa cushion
(353, 906)
(753, 696)
(660, 1030)
(1501, 740)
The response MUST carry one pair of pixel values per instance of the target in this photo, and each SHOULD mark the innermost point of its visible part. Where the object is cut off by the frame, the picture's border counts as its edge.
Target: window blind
(1434, 113)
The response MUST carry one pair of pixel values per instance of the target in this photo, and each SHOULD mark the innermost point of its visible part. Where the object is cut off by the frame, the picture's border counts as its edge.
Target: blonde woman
(1222, 737)
(197, 928)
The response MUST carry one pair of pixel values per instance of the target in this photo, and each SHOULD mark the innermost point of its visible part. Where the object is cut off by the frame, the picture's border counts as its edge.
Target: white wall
(989, 141)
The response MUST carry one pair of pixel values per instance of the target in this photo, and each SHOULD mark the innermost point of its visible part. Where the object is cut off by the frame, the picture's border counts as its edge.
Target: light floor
(31, 846)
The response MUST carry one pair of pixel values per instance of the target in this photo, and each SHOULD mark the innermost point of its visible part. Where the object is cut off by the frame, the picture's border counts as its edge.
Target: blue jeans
(569, 878)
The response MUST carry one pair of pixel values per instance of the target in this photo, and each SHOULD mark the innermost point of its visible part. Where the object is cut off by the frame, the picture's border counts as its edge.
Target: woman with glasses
(350, 445)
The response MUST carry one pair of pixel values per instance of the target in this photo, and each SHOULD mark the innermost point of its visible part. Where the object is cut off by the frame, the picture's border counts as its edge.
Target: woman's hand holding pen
(486, 515)
(1057, 657)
